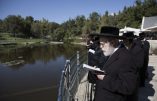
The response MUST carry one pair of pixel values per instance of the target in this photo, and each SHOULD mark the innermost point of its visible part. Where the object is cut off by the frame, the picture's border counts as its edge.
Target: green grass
(7, 37)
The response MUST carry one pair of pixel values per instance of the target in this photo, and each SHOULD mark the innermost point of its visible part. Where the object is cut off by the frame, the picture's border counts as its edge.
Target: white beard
(109, 51)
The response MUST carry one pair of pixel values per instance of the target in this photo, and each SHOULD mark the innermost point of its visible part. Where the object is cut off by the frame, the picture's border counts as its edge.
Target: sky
(60, 11)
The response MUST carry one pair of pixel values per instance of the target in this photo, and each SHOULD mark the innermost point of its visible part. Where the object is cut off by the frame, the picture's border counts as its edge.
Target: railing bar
(71, 77)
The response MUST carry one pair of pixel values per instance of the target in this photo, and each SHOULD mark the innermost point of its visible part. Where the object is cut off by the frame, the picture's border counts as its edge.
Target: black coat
(98, 59)
(120, 80)
(146, 47)
(137, 52)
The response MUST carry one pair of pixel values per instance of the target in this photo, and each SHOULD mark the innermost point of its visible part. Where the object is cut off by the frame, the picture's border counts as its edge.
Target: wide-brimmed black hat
(128, 35)
(108, 31)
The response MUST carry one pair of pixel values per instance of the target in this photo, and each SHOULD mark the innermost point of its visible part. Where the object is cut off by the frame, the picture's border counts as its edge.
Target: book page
(91, 51)
(90, 68)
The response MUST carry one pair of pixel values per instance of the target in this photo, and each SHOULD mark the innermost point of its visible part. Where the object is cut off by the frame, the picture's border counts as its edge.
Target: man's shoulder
(123, 52)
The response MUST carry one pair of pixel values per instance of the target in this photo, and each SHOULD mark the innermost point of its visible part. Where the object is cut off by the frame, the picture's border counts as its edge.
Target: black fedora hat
(108, 31)
(128, 35)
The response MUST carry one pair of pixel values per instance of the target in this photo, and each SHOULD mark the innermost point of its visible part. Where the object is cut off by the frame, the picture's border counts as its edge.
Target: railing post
(78, 58)
(68, 77)
(68, 73)
(78, 63)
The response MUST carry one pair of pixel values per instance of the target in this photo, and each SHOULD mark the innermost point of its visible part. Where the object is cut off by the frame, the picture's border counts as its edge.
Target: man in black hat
(146, 47)
(137, 52)
(119, 79)
(95, 58)
(135, 47)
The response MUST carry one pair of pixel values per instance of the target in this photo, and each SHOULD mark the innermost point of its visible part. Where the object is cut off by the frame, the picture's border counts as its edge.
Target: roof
(129, 29)
(149, 23)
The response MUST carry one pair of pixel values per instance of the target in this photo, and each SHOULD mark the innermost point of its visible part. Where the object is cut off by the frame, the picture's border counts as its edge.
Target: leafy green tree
(14, 24)
(52, 27)
(1, 26)
(44, 27)
(59, 34)
(86, 28)
(27, 26)
(104, 19)
(150, 7)
(132, 16)
(36, 29)
(94, 20)
(79, 21)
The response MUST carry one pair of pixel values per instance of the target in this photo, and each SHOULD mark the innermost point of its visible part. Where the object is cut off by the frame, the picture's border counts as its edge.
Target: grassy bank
(7, 38)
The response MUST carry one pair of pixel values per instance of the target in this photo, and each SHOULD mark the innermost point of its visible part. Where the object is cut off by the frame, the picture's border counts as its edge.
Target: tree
(150, 8)
(86, 28)
(14, 24)
(44, 27)
(94, 18)
(59, 34)
(104, 19)
(94, 21)
(36, 29)
(52, 27)
(27, 26)
(109, 20)
(2, 26)
(79, 21)
(138, 2)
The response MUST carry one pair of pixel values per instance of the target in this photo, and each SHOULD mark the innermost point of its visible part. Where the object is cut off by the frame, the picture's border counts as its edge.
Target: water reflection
(33, 72)
(28, 55)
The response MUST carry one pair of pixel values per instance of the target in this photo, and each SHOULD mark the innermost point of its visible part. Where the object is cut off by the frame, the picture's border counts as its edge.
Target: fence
(71, 77)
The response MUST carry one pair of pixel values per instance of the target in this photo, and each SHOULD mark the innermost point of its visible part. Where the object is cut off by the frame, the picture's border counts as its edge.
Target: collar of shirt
(116, 49)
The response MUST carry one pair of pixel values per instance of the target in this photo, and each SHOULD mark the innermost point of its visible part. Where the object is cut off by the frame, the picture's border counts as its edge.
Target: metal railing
(71, 76)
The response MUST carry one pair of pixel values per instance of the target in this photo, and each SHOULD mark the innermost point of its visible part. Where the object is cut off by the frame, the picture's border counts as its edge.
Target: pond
(32, 73)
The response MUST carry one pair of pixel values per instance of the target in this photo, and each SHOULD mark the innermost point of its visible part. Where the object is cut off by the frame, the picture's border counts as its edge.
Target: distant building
(149, 25)
(129, 29)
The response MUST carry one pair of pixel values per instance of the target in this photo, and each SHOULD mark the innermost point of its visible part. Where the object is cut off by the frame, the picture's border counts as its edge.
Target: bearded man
(120, 76)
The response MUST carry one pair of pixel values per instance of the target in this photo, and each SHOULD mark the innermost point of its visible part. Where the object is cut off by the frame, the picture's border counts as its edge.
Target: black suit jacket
(137, 52)
(146, 47)
(121, 78)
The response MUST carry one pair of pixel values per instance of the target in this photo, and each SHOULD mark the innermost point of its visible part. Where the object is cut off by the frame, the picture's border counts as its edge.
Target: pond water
(33, 73)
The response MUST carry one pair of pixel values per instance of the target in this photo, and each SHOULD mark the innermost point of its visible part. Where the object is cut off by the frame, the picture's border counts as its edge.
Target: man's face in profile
(106, 47)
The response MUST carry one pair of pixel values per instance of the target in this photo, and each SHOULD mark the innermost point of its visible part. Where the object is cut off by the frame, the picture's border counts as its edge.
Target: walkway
(148, 93)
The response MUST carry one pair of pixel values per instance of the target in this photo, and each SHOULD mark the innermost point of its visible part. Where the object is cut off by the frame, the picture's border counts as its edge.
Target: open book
(91, 51)
(90, 68)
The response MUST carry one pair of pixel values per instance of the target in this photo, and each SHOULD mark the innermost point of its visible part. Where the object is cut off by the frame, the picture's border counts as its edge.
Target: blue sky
(59, 10)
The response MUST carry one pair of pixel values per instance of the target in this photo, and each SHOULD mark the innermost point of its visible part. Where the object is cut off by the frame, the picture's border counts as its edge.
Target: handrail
(70, 77)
